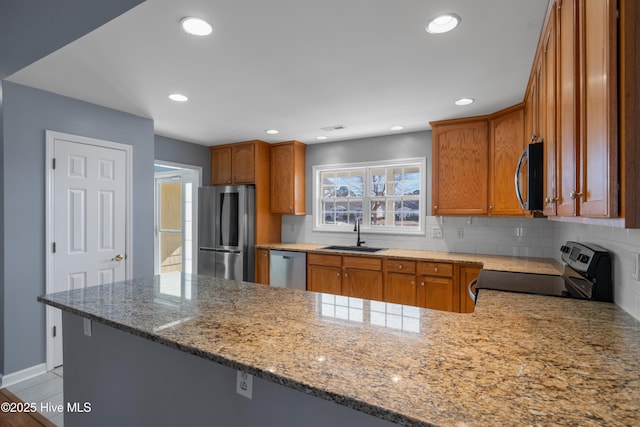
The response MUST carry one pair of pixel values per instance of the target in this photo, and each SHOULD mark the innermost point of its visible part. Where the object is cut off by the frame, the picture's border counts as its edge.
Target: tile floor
(43, 389)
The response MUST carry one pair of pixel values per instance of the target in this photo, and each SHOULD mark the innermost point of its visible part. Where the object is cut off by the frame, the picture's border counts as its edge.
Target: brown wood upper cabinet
(460, 167)
(234, 163)
(506, 144)
(288, 178)
(474, 164)
(578, 88)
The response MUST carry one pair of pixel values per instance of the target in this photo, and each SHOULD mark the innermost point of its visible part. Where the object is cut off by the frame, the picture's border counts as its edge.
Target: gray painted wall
(172, 150)
(388, 147)
(28, 113)
(30, 29)
(129, 380)
(3, 321)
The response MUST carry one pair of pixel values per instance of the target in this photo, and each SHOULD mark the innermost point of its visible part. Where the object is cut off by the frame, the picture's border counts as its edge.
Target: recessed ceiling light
(195, 26)
(396, 127)
(178, 97)
(443, 23)
(464, 101)
(272, 131)
(322, 137)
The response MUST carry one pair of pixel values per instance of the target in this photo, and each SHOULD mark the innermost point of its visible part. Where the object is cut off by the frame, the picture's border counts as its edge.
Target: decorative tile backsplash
(496, 236)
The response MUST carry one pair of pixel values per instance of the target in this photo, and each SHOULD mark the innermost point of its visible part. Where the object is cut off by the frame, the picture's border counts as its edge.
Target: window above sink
(387, 196)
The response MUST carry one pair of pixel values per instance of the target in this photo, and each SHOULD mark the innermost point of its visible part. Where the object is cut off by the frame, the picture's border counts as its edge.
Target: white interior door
(88, 209)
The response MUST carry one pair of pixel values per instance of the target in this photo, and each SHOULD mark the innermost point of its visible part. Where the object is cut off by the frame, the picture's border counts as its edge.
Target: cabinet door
(568, 84)
(507, 143)
(400, 288)
(243, 163)
(548, 117)
(220, 165)
(599, 139)
(460, 168)
(262, 266)
(325, 279)
(365, 284)
(436, 293)
(467, 274)
(288, 178)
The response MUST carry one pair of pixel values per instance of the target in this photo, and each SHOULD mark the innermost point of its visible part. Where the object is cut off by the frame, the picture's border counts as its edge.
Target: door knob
(117, 258)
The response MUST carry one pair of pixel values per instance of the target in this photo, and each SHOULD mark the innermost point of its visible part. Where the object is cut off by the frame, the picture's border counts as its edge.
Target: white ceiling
(299, 65)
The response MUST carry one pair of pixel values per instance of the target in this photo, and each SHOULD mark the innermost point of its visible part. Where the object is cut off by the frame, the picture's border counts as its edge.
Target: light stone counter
(489, 262)
(518, 360)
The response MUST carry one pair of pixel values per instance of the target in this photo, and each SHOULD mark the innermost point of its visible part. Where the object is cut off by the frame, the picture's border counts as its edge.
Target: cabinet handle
(346, 275)
(338, 274)
(413, 282)
(435, 208)
(435, 269)
(575, 194)
(490, 207)
(400, 267)
(290, 209)
(421, 283)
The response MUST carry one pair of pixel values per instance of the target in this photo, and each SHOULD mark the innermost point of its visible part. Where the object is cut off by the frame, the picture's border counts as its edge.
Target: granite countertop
(518, 360)
(488, 262)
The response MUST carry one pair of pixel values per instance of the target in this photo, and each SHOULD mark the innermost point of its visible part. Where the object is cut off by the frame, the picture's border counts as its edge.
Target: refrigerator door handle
(225, 251)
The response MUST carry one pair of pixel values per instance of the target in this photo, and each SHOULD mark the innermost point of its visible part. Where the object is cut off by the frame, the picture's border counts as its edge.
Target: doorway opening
(176, 208)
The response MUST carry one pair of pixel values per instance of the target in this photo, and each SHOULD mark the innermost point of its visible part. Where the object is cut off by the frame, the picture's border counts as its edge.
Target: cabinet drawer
(323, 259)
(363, 263)
(443, 269)
(401, 266)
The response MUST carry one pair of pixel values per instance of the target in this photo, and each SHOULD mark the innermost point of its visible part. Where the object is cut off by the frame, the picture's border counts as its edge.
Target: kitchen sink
(353, 248)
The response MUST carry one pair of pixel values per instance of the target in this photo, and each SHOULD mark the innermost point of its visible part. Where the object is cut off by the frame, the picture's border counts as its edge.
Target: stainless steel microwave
(529, 180)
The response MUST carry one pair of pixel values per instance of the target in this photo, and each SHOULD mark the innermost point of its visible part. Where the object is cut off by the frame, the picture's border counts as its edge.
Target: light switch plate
(437, 232)
(244, 384)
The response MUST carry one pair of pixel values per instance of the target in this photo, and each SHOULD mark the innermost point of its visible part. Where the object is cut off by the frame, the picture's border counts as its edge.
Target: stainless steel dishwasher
(288, 269)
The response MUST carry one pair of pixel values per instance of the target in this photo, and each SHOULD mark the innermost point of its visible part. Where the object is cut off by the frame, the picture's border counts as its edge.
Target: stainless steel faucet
(357, 228)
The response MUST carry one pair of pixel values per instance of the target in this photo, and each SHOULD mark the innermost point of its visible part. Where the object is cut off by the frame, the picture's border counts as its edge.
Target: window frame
(367, 167)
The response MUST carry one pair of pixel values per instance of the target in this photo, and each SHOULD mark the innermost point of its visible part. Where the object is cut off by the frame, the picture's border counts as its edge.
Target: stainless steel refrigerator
(226, 231)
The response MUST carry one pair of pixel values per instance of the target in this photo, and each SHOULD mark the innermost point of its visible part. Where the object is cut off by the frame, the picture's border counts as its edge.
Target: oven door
(527, 283)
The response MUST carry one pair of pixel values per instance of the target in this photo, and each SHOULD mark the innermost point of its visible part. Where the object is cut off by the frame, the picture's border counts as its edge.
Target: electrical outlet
(87, 327)
(635, 266)
(437, 232)
(460, 232)
(244, 384)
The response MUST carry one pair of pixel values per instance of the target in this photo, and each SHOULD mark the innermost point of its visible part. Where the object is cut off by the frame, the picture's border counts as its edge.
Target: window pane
(378, 212)
(342, 212)
(407, 213)
(378, 182)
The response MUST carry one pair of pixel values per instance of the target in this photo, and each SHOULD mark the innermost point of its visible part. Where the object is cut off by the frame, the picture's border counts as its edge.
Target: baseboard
(25, 374)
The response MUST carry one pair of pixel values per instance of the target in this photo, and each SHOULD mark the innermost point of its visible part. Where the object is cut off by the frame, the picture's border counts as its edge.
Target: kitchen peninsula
(321, 359)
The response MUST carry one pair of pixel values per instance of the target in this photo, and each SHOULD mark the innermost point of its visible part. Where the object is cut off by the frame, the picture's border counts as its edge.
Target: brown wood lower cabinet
(428, 284)
(362, 277)
(400, 281)
(324, 279)
(262, 266)
(468, 273)
(324, 273)
(365, 284)
(435, 286)
(353, 276)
